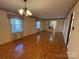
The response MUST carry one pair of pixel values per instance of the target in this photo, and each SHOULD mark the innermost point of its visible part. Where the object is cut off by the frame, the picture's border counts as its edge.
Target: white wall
(5, 28)
(5, 32)
(59, 27)
(73, 46)
(66, 27)
(29, 26)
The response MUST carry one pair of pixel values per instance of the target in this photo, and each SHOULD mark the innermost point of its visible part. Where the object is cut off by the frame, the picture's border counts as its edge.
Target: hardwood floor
(43, 45)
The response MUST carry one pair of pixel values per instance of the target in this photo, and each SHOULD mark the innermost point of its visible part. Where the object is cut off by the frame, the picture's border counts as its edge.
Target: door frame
(69, 30)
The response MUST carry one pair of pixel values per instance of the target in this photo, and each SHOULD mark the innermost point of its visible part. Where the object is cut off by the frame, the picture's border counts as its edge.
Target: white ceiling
(41, 8)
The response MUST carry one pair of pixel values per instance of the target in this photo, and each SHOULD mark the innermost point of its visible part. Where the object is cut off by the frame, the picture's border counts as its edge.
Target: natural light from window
(53, 24)
(16, 25)
(38, 24)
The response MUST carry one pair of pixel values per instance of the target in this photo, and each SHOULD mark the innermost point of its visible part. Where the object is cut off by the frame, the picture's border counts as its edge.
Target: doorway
(70, 27)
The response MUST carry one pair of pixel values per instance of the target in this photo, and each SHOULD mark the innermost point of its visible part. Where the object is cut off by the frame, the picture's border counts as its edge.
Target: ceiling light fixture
(25, 11)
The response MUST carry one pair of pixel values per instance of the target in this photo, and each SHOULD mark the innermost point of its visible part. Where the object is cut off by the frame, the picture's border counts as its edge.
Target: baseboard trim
(21, 38)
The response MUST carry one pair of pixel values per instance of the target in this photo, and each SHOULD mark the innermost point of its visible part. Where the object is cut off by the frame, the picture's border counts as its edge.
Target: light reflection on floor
(29, 48)
(51, 36)
(38, 37)
(19, 49)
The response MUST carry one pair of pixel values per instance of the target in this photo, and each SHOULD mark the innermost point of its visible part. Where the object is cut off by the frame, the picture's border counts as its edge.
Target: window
(53, 24)
(38, 24)
(16, 25)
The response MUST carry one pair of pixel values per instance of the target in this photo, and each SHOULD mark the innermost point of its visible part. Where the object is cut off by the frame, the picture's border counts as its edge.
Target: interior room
(39, 29)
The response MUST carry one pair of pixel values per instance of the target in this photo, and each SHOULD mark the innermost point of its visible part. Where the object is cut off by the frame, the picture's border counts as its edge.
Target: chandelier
(24, 11)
